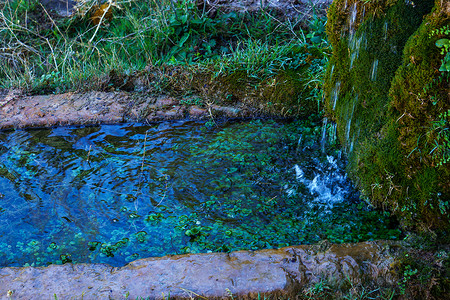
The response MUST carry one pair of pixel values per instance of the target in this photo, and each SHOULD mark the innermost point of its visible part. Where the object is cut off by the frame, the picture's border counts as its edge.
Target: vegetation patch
(173, 47)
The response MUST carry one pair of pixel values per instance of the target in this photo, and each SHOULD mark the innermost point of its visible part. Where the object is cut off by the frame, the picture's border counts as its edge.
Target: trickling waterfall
(385, 29)
(335, 93)
(328, 134)
(353, 14)
(324, 135)
(349, 116)
(374, 70)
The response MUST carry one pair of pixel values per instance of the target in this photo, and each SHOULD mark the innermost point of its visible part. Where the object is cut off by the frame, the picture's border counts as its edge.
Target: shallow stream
(116, 193)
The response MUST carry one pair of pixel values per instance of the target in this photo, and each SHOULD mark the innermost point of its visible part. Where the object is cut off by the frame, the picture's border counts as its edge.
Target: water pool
(116, 193)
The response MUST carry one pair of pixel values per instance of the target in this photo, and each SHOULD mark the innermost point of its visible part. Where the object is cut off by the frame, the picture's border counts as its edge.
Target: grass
(45, 53)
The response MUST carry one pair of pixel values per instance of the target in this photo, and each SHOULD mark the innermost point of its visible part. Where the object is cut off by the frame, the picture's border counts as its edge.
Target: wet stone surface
(245, 274)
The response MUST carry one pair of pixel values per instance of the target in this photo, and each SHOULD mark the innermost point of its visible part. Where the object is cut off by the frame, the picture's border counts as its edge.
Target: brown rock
(21, 111)
(64, 109)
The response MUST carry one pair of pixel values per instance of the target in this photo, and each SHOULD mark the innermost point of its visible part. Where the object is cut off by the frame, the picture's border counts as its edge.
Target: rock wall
(386, 93)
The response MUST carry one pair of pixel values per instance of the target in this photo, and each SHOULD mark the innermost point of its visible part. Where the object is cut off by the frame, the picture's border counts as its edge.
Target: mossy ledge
(385, 92)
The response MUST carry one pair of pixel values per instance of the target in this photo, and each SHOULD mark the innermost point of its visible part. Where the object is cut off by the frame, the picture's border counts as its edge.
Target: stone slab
(22, 111)
(244, 274)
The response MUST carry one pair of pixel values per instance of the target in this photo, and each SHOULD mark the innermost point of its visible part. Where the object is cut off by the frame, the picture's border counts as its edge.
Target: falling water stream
(116, 193)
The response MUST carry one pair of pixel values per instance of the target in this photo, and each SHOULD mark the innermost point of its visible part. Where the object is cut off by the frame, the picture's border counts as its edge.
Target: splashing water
(326, 183)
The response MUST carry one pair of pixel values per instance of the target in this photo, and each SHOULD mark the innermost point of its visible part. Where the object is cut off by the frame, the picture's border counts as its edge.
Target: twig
(165, 192)
(189, 291)
(53, 21)
(100, 22)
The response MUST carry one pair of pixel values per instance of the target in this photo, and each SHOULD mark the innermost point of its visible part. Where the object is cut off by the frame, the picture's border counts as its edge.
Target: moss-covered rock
(385, 92)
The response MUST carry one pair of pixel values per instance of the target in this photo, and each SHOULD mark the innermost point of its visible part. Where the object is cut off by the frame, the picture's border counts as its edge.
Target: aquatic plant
(234, 186)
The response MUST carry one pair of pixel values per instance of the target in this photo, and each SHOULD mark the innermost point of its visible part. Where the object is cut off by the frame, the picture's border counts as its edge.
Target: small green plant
(444, 45)
(317, 30)
(192, 101)
(408, 273)
(441, 128)
(320, 290)
(444, 205)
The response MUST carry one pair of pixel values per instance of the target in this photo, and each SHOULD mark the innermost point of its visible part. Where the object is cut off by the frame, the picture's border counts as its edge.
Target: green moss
(286, 93)
(237, 84)
(384, 91)
(416, 106)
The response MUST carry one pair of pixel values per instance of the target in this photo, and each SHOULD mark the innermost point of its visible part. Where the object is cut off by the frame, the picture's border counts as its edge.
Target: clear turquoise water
(115, 193)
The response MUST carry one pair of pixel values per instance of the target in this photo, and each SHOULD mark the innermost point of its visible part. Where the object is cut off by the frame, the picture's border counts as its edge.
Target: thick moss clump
(385, 92)
(419, 97)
